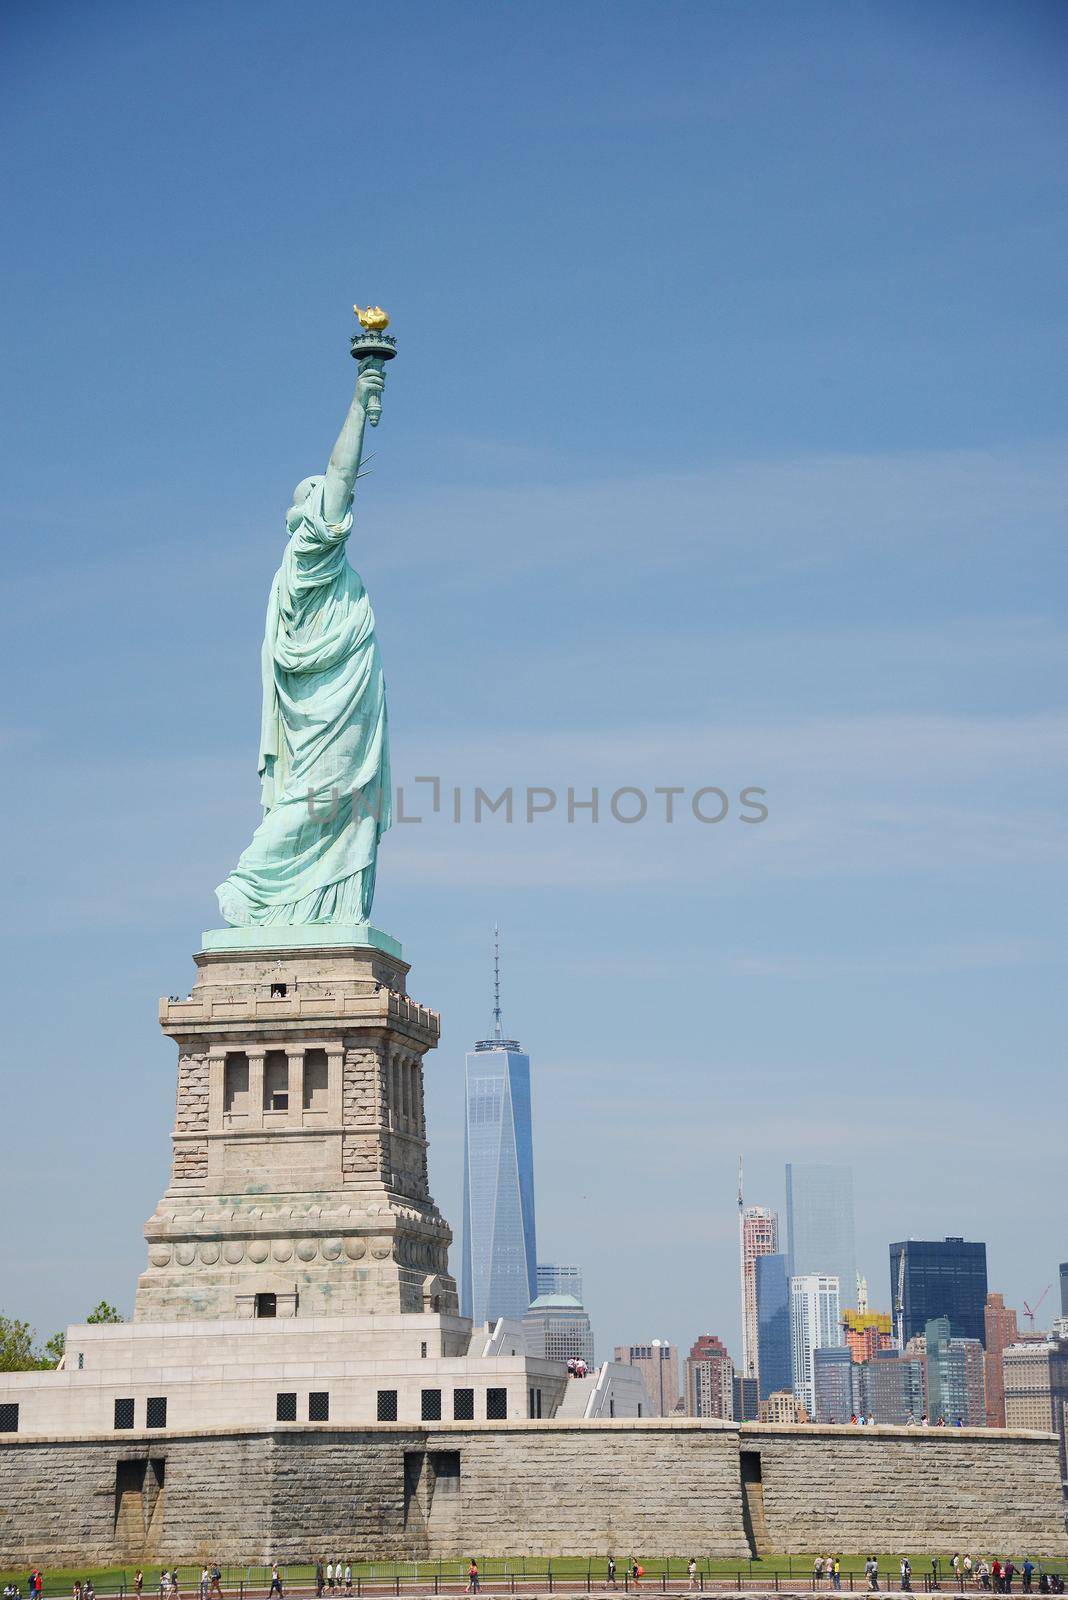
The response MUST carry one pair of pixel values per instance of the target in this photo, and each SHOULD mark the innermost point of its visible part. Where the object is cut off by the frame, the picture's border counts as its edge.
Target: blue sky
(725, 446)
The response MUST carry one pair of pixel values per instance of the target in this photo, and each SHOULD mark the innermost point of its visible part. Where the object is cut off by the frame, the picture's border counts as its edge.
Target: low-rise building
(782, 1406)
(1036, 1388)
(889, 1388)
(955, 1376)
(557, 1328)
(866, 1333)
(835, 1399)
(658, 1363)
(1001, 1331)
(709, 1379)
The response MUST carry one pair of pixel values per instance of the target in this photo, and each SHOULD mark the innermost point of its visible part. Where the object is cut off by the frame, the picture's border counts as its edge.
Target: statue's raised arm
(345, 457)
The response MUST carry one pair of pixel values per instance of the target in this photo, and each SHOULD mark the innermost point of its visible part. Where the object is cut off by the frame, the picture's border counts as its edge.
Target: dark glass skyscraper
(498, 1277)
(773, 1324)
(931, 1278)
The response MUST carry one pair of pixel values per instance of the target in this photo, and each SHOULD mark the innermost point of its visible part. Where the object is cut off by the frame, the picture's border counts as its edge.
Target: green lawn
(108, 1580)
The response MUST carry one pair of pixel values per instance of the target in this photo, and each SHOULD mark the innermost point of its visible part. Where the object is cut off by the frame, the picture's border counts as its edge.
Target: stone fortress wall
(653, 1486)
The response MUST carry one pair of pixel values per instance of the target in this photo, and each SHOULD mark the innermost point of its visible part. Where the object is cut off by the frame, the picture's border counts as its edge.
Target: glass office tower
(498, 1277)
(773, 1321)
(819, 1225)
(556, 1278)
(934, 1278)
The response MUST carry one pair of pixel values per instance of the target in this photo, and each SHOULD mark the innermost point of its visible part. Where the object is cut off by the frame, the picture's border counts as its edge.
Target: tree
(104, 1313)
(18, 1348)
(54, 1349)
(17, 1353)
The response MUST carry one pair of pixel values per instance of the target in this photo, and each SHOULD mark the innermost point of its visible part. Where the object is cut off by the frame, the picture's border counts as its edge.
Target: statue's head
(306, 487)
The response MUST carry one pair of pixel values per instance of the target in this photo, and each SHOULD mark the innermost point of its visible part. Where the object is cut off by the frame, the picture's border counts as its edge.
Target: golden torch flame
(374, 319)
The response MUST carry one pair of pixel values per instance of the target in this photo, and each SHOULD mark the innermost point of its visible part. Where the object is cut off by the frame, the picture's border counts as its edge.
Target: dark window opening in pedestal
(463, 1405)
(496, 1404)
(156, 1412)
(235, 1084)
(276, 1081)
(316, 1080)
(387, 1405)
(431, 1410)
(9, 1417)
(124, 1413)
(266, 1305)
(534, 1404)
(319, 1406)
(285, 1407)
(278, 991)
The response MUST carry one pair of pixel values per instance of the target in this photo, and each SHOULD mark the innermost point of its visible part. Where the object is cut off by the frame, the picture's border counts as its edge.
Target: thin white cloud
(742, 519)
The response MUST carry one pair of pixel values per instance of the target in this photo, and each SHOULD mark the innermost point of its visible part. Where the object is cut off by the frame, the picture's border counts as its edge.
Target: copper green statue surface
(324, 748)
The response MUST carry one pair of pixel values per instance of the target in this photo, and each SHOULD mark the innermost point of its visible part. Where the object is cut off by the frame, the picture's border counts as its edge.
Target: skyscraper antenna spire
(498, 1032)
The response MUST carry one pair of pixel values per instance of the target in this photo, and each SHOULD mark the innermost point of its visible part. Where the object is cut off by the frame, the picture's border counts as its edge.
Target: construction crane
(899, 1301)
(1029, 1311)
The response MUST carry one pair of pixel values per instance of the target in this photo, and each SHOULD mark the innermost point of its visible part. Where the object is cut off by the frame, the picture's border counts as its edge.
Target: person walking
(610, 1580)
(1008, 1572)
(836, 1572)
(473, 1584)
(906, 1576)
(215, 1591)
(348, 1577)
(636, 1574)
(1026, 1574)
(692, 1570)
(817, 1572)
(871, 1572)
(276, 1583)
(139, 1582)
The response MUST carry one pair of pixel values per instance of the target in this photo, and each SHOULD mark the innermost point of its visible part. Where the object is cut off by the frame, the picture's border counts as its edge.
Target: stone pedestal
(299, 1179)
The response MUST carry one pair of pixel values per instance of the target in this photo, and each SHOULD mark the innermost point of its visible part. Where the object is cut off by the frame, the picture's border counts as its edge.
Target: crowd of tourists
(996, 1576)
(993, 1575)
(333, 1578)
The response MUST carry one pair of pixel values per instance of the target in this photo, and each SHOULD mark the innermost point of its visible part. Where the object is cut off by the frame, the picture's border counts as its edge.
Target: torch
(373, 347)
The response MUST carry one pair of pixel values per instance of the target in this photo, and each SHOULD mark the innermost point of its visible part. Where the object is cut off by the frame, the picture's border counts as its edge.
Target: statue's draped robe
(324, 748)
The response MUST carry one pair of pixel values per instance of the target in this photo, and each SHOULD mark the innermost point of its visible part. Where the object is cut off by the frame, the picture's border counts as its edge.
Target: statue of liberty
(324, 749)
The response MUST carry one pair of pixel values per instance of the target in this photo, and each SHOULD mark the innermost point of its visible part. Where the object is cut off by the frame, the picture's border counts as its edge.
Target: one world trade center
(499, 1274)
